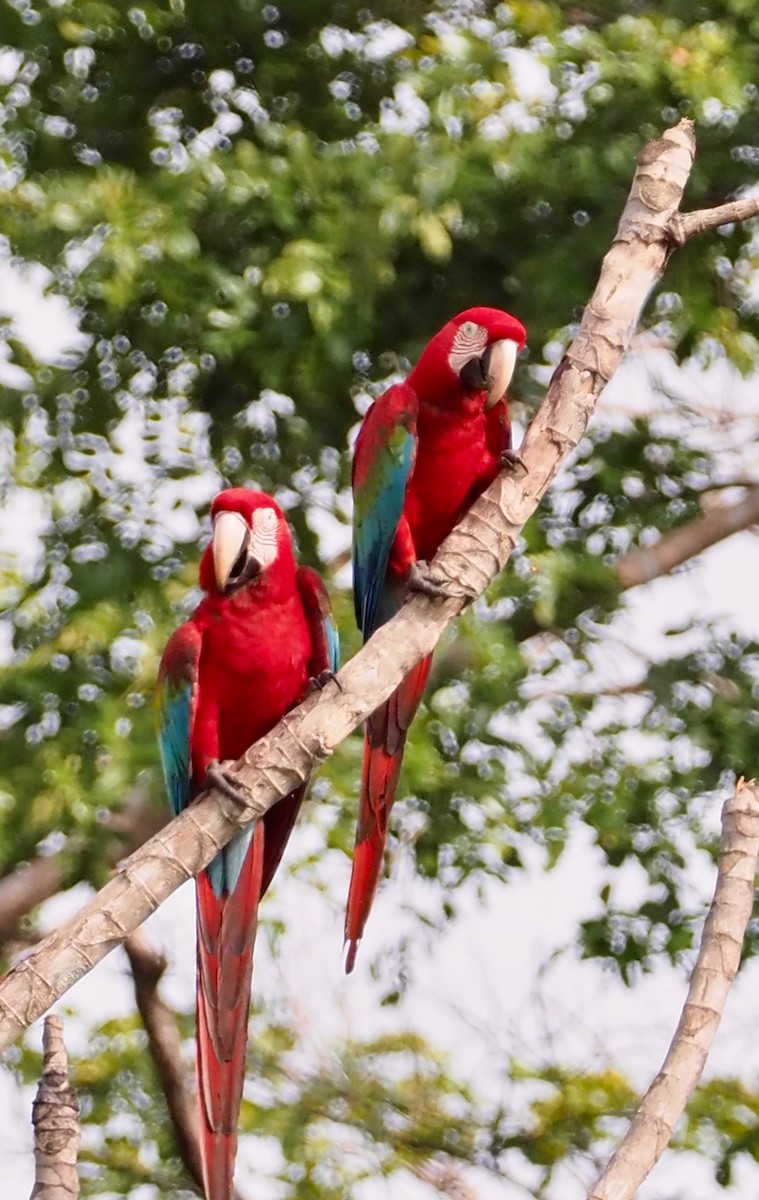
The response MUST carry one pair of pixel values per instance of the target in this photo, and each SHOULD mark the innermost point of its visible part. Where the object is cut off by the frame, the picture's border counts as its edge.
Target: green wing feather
(176, 702)
(382, 466)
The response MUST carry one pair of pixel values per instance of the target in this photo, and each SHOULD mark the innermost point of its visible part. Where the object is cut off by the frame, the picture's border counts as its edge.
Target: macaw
(244, 658)
(426, 449)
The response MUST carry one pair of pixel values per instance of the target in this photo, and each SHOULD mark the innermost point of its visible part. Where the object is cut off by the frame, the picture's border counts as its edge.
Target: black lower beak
(245, 570)
(473, 374)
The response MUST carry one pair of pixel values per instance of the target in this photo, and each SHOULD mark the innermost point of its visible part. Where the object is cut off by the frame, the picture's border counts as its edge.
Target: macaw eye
(264, 520)
(469, 341)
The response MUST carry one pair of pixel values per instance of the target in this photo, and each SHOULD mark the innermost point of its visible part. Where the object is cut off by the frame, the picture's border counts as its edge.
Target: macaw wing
(176, 703)
(382, 466)
(280, 819)
(325, 643)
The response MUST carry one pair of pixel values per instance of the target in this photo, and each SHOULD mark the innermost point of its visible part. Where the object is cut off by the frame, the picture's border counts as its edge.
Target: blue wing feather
(333, 642)
(383, 464)
(224, 870)
(175, 712)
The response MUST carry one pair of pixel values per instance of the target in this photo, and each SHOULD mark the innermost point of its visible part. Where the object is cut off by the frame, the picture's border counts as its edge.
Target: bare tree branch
(38, 880)
(686, 225)
(470, 558)
(165, 1045)
(675, 548)
(716, 968)
(55, 1117)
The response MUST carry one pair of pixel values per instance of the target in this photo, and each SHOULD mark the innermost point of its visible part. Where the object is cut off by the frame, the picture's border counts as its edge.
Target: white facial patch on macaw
(263, 541)
(469, 342)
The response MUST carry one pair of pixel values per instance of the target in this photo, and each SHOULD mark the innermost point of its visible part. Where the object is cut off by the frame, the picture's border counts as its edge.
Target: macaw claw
(317, 683)
(219, 775)
(509, 460)
(421, 580)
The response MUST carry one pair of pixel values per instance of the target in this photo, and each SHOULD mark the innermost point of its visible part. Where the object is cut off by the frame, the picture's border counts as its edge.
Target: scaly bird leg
(219, 775)
(509, 460)
(419, 579)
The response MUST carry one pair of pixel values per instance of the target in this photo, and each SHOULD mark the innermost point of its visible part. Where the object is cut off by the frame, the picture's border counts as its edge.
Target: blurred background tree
(224, 229)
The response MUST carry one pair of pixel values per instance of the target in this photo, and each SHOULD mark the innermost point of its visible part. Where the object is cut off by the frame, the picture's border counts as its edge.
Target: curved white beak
(501, 362)
(230, 537)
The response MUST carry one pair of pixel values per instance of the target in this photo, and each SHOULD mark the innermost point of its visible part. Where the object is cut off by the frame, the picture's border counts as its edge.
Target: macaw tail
(226, 934)
(227, 922)
(385, 738)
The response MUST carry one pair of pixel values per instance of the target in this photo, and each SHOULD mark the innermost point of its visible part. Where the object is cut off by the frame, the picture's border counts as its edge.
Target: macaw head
(473, 355)
(250, 544)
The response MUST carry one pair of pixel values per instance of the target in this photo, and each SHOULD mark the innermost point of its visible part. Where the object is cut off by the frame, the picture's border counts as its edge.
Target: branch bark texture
(471, 557)
(55, 1117)
(716, 967)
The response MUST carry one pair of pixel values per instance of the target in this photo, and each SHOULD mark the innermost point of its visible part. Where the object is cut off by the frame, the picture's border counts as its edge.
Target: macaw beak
(498, 362)
(231, 537)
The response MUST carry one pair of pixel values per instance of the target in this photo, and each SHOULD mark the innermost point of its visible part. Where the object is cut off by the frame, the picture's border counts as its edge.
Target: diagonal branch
(29, 885)
(675, 548)
(716, 967)
(165, 1045)
(36, 881)
(471, 557)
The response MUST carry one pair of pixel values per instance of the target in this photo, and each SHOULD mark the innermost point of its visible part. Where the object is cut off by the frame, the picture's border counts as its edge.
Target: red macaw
(425, 450)
(244, 658)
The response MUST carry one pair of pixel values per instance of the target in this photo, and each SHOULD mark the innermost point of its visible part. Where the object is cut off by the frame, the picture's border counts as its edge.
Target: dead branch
(675, 548)
(38, 880)
(683, 226)
(470, 558)
(716, 968)
(55, 1117)
(24, 888)
(165, 1045)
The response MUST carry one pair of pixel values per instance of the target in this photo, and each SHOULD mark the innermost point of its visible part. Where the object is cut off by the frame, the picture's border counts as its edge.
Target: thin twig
(686, 225)
(716, 967)
(55, 1117)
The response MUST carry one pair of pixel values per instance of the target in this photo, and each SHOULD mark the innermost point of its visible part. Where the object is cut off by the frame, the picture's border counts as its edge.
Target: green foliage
(382, 1108)
(724, 1111)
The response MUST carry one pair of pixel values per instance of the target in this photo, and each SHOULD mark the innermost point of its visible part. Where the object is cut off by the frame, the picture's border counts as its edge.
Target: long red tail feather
(226, 934)
(385, 738)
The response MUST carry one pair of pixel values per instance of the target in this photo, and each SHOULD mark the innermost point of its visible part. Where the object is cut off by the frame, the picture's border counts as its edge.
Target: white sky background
(485, 988)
